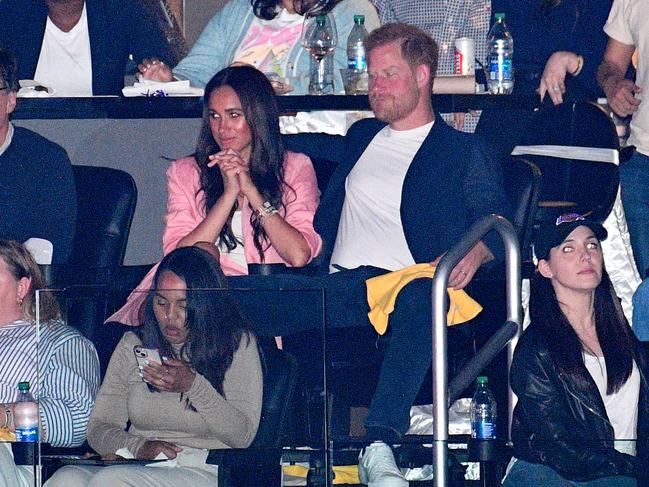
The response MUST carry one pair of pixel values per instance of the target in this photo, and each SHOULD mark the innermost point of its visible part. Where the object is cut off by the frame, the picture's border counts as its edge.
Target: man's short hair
(8, 69)
(417, 47)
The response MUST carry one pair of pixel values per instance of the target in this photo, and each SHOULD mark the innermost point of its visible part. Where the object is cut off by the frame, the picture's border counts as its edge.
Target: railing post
(439, 310)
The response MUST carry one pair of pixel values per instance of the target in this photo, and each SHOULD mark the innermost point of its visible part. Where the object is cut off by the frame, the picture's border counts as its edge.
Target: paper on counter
(33, 89)
(157, 88)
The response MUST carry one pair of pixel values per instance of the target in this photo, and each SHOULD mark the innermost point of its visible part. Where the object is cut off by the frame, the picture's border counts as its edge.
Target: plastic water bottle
(500, 50)
(483, 411)
(356, 45)
(26, 415)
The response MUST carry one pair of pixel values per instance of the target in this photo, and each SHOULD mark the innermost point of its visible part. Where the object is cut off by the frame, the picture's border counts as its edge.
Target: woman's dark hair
(267, 152)
(613, 332)
(216, 327)
(268, 9)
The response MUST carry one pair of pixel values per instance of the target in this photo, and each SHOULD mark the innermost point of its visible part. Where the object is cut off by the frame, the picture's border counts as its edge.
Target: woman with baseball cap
(582, 416)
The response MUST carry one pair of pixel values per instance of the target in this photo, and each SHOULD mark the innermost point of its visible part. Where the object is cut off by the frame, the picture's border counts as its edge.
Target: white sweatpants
(12, 475)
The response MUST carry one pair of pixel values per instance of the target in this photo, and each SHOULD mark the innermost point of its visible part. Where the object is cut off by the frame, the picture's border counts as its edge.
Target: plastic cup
(354, 81)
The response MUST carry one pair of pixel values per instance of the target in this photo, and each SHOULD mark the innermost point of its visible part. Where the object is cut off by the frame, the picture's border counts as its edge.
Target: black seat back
(106, 200)
(591, 186)
(522, 180)
(280, 381)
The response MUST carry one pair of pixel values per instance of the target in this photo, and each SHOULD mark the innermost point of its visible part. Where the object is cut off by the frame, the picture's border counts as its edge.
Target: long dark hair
(216, 327)
(267, 152)
(268, 9)
(613, 331)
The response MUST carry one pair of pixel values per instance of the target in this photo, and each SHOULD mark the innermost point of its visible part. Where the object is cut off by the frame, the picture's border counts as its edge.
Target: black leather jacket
(563, 425)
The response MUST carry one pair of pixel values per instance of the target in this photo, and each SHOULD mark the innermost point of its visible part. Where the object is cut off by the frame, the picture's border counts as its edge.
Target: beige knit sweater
(220, 421)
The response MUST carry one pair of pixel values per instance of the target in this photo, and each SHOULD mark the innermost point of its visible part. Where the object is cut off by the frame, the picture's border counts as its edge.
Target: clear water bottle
(26, 415)
(356, 45)
(483, 411)
(500, 51)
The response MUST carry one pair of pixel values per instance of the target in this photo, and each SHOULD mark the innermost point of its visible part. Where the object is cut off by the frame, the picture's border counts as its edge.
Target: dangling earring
(19, 301)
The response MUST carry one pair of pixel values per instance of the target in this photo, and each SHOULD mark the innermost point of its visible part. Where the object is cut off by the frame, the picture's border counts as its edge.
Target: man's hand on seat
(464, 271)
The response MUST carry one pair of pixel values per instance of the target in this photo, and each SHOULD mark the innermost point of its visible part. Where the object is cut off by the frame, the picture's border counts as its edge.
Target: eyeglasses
(569, 218)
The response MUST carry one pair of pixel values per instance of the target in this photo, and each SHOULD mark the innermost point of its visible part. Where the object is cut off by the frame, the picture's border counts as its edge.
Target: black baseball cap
(550, 235)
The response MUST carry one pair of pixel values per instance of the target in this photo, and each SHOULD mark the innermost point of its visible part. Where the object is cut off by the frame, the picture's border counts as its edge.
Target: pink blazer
(186, 209)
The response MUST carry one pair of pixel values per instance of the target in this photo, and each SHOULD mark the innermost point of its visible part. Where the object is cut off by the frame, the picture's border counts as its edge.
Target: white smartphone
(146, 355)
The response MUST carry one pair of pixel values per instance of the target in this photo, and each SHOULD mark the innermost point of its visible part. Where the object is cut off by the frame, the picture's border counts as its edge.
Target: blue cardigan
(452, 182)
(116, 29)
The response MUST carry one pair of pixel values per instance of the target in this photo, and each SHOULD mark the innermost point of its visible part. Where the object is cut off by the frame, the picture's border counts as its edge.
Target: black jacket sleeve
(551, 427)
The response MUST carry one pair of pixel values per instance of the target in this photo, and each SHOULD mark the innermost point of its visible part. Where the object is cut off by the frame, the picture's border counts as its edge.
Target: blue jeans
(641, 311)
(634, 184)
(525, 474)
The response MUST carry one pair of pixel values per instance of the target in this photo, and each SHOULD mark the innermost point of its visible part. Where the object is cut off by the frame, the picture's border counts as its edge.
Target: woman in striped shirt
(67, 362)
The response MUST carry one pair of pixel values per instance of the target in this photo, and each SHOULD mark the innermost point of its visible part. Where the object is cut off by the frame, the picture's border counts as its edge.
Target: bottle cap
(359, 19)
(321, 20)
(499, 16)
(482, 380)
(23, 386)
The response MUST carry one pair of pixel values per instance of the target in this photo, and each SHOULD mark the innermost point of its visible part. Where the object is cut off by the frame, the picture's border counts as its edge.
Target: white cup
(40, 249)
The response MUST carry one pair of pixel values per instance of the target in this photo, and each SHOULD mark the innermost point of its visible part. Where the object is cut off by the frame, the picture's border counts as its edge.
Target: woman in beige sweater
(206, 393)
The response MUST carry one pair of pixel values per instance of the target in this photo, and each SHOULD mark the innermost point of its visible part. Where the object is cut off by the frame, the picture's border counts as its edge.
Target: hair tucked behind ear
(20, 263)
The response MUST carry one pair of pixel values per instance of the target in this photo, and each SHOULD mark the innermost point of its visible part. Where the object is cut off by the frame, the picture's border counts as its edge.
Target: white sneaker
(377, 468)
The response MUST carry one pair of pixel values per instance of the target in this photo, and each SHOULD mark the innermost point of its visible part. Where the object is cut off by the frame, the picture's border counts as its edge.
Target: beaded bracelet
(265, 210)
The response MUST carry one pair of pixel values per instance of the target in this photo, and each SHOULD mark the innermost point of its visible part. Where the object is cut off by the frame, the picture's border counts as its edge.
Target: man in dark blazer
(116, 29)
(39, 198)
(406, 189)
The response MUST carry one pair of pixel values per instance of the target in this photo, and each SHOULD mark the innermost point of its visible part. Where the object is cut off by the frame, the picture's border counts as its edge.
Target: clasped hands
(235, 172)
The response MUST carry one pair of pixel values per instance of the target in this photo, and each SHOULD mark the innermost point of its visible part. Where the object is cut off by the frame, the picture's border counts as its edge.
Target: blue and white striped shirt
(69, 375)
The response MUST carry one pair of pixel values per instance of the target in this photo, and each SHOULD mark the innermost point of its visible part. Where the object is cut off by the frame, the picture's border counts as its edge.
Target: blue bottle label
(500, 70)
(484, 430)
(357, 63)
(29, 435)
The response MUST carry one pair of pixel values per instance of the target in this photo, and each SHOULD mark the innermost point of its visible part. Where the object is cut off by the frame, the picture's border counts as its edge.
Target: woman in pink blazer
(241, 190)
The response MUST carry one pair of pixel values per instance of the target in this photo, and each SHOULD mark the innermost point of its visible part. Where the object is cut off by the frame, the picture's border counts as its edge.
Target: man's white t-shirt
(64, 62)
(628, 23)
(370, 230)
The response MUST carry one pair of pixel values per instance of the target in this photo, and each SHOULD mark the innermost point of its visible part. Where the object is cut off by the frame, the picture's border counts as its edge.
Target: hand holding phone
(146, 355)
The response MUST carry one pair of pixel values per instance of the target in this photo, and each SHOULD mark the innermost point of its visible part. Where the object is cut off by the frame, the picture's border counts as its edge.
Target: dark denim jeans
(408, 354)
(634, 184)
(525, 474)
(641, 311)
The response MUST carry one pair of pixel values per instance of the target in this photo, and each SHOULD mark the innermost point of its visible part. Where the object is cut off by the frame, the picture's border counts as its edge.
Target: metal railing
(439, 304)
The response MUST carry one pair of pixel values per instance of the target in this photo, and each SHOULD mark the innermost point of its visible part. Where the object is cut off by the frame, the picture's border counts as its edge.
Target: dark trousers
(277, 307)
